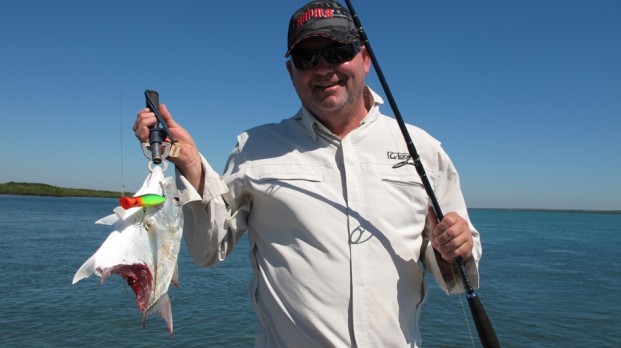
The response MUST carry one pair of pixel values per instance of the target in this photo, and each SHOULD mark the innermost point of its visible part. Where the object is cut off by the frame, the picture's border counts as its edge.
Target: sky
(525, 96)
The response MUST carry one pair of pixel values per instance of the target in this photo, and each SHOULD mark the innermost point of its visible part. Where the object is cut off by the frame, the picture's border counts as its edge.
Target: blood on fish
(139, 278)
(147, 200)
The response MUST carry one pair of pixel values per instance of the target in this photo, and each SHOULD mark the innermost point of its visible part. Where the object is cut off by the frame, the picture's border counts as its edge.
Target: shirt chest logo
(402, 157)
(399, 156)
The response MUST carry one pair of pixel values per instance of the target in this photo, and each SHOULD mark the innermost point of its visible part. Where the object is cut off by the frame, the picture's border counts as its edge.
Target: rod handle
(155, 98)
(155, 133)
(486, 332)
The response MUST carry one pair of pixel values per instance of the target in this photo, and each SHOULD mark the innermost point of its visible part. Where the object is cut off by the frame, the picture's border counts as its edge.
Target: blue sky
(524, 95)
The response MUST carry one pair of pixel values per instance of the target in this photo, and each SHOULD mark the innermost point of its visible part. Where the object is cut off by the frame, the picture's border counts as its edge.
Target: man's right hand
(188, 160)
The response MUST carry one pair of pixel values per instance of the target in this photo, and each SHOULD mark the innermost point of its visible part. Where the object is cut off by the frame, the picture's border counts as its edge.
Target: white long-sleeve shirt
(336, 233)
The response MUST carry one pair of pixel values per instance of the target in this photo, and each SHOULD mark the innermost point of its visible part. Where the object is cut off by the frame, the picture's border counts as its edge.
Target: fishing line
(463, 308)
(120, 66)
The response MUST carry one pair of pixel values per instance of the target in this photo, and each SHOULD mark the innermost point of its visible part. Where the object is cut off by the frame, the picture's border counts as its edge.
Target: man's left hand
(451, 237)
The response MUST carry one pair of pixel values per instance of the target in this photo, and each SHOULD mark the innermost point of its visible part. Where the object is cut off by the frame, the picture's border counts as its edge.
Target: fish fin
(108, 220)
(119, 214)
(175, 277)
(161, 307)
(85, 270)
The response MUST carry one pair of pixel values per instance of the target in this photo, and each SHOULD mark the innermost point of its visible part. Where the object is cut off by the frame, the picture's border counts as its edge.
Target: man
(339, 237)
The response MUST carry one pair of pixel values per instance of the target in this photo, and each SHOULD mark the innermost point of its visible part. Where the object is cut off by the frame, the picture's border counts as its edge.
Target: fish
(144, 247)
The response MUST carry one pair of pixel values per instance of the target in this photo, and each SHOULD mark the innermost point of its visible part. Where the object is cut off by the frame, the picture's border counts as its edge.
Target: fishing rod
(486, 332)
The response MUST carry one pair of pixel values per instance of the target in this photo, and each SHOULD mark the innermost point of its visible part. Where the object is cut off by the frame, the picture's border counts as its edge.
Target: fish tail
(161, 307)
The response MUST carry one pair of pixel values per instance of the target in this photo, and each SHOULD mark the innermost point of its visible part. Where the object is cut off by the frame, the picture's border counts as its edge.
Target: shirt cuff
(214, 186)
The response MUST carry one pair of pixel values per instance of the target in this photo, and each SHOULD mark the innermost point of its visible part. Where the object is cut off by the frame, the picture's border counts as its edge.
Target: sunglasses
(305, 59)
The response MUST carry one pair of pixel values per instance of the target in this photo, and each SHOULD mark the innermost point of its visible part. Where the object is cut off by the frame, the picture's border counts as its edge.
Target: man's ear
(290, 67)
(366, 57)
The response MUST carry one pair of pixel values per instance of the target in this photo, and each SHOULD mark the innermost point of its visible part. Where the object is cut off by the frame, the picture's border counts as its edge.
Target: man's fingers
(452, 237)
(144, 120)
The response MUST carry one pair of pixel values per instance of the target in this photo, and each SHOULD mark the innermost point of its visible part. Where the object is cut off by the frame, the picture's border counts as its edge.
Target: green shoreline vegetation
(36, 189)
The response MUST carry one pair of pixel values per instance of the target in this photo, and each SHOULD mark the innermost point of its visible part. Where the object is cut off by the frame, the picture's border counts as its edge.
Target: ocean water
(548, 279)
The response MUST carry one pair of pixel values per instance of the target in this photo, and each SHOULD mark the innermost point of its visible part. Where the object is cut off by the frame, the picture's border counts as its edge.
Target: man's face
(330, 90)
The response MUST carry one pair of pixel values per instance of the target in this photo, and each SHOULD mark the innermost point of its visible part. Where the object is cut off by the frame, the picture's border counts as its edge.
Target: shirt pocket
(286, 173)
(278, 188)
(402, 180)
(292, 176)
(404, 191)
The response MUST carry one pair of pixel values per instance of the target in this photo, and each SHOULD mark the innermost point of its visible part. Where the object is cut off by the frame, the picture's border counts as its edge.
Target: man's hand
(451, 237)
(188, 160)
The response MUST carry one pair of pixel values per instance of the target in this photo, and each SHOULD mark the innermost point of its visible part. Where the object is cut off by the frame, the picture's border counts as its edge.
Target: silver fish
(143, 248)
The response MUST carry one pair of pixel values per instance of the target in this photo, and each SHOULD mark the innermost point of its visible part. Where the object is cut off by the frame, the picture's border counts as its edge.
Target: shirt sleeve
(208, 219)
(450, 198)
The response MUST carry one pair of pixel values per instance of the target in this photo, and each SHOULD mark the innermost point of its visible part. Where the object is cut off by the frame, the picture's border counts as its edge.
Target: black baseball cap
(323, 18)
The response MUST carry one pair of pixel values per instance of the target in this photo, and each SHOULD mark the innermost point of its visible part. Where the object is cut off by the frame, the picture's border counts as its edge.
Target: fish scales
(143, 248)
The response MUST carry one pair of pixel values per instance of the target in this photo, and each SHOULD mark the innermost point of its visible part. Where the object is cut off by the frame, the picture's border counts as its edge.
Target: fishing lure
(147, 200)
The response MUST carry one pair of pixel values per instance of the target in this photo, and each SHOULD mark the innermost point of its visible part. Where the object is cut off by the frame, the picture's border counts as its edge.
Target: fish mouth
(139, 278)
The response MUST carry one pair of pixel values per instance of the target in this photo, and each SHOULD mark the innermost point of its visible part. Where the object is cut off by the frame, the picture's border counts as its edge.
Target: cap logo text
(314, 13)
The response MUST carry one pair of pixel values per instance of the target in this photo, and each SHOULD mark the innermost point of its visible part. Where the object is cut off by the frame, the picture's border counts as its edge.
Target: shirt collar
(313, 126)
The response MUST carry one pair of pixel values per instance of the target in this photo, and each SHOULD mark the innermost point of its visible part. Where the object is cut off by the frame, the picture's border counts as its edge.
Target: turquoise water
(549, 279)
